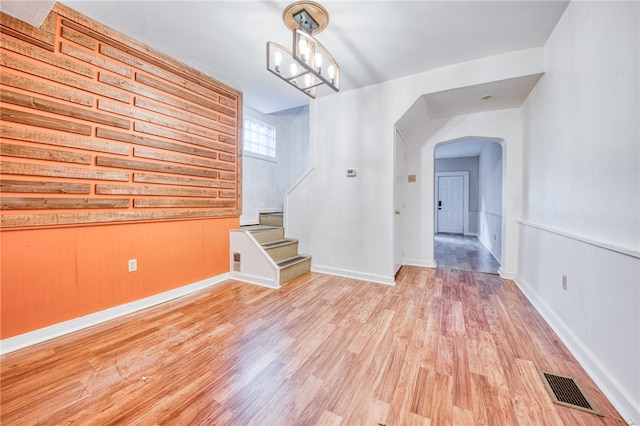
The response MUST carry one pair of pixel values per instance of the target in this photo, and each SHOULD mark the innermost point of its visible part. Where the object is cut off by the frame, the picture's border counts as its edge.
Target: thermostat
(351, 172)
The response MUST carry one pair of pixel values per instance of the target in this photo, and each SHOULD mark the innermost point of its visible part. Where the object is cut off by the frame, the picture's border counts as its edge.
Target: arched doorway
(468, 204)
(422, 134)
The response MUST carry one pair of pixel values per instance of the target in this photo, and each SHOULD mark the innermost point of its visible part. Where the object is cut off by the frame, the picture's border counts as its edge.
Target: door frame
(465, 199)
(400, 169)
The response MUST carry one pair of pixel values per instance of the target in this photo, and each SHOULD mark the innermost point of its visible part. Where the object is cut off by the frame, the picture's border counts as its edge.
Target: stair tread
(258, 228)
(293, 260)
(277, 243)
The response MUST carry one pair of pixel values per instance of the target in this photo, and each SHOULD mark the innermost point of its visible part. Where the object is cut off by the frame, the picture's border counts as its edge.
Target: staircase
(260, 254)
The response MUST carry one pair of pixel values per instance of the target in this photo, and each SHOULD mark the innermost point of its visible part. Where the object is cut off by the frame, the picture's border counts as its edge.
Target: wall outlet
(133, 265)
(564, 282)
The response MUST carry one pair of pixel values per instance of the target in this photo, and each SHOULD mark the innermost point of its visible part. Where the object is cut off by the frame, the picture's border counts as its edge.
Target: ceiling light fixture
(310, 65)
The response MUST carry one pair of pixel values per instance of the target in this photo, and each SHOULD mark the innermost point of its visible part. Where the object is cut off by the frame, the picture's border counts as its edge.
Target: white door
(450, 204)
(400, 167)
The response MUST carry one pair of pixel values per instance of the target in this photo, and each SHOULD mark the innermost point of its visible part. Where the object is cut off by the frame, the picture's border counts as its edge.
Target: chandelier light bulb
(304, 49)
(307, 80)
(318, 59)
(294, 70)
(332, 73)
(277, 58)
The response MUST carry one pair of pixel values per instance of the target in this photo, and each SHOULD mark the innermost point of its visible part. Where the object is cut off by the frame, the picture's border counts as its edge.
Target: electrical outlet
(564, 282)
(133, 265)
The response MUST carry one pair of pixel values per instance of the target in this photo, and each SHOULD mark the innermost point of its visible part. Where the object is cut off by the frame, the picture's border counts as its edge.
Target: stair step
(294, 267)
(265, 234)
(278, 243)
(281, 249)
(272, 219)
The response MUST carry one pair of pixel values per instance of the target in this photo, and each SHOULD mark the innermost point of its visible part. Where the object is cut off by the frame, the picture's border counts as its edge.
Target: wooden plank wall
(99, 128)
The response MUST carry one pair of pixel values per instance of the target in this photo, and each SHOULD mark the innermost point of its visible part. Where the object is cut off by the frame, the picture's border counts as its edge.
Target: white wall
(581, 214)
(467, 164)
(490, 203)
(346, 224)
(265, 181)
(299, 155)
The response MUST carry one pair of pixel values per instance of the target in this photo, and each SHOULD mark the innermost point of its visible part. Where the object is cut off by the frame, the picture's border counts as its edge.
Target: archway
(468, 204)
(501, 127)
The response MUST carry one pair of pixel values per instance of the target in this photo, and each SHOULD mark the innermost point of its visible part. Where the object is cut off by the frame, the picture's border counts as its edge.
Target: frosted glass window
(259, 137)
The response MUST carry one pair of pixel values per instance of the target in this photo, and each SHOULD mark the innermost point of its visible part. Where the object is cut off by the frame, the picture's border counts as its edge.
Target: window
(259, 137)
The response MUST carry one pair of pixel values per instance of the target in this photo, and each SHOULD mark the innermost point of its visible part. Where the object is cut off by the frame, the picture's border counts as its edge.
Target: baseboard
(622, 402)
(250, 279)
(506, 274)
(420, 262)
(47, 333)
(380, 279)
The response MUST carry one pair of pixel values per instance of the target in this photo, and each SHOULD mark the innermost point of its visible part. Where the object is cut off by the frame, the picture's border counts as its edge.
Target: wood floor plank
(442, 347)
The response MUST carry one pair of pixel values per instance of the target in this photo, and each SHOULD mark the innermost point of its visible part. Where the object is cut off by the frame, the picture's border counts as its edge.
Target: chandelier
(308, 64)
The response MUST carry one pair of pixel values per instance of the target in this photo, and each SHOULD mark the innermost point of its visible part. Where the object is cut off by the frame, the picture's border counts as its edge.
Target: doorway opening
(468, 204)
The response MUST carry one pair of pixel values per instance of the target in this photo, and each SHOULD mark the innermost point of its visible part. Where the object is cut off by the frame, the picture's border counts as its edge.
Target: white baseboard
(380, 279)
(624, 403)
(420, 262)
(262, 282)
(47, 333)
(506, 274)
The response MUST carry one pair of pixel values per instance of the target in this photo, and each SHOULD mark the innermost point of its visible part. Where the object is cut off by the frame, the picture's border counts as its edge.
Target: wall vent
(566, 391)
(236, 262)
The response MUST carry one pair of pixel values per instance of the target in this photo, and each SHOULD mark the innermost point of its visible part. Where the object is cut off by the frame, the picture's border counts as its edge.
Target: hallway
(464, 252)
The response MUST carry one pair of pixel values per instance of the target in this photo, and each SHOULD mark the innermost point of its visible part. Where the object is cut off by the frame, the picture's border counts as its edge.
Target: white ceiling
(372, 41)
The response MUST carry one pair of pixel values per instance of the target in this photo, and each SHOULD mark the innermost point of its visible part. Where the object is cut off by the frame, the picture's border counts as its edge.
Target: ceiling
(372, 41)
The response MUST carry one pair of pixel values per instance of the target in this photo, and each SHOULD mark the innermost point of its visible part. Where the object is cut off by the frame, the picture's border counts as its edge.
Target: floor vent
(566, 391)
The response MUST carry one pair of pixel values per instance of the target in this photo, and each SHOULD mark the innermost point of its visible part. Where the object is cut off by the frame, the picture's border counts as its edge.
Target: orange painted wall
(54, 275)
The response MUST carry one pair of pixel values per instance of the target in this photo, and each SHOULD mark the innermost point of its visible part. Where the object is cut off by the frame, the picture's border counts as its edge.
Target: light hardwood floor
(443, 347)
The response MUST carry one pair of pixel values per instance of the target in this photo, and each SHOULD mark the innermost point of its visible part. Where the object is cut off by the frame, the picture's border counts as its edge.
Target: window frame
(250, 153)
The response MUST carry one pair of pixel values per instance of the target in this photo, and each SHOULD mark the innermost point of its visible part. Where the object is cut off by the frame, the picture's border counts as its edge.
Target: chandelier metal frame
(308, 65)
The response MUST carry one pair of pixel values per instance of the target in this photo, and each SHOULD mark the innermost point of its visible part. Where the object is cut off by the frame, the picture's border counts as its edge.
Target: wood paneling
(29, 186)
(23, 151)
(21, 203)
(182, 181)
(28, 169)
(153, 167)
(323, 350)
(179, 203)
(155, 143)
(94, 59)
(44, 88)
(178, 158)
(46, 121)
(29, 134)
(117, 108)
(154, 190)
(43, 37)
(18, 64)
(80, 39)
(54, 274)
(45, 57)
